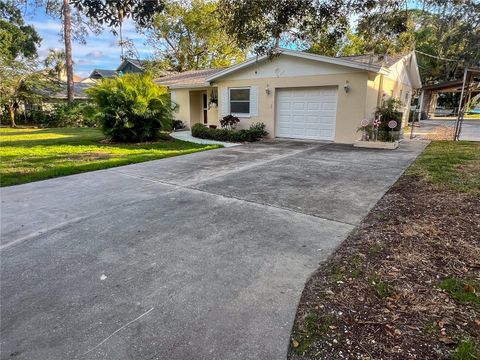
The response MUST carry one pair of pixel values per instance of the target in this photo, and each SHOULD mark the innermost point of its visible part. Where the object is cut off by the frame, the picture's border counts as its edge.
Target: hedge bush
(131, 108)
(254, 133)
(61, 115)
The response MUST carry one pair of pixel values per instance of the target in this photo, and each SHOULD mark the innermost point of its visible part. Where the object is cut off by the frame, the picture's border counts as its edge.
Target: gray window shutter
(224, 103)
(254, 101)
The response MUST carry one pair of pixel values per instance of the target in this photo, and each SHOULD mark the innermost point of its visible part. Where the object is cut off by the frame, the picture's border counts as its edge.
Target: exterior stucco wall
(350, 106)
(373, 98)
(182, 98)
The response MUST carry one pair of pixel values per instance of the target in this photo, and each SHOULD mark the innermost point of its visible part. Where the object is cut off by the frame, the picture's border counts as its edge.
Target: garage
(306, 113)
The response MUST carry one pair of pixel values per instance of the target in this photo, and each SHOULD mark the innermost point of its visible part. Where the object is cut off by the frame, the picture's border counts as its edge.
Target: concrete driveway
(470, 127)
(202, 256)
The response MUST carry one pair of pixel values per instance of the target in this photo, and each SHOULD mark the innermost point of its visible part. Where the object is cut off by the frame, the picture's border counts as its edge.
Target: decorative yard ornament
(365, 123)
(392, 124)
(376, 124)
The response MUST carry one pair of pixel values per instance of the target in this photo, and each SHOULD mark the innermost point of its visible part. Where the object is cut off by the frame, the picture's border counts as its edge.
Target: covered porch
(196, 100)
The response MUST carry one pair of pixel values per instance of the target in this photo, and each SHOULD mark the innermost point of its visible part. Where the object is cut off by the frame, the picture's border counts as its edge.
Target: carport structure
(468, 87)
(431, 93)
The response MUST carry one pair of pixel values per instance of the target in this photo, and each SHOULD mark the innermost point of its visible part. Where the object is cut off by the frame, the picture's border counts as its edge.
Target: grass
(464, 291)
(314, 329)
(466, 350)
(455, 165)
(382, 288)
(36, 154)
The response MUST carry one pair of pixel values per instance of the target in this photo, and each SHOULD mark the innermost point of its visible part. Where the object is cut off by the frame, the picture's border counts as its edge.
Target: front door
(205, 108)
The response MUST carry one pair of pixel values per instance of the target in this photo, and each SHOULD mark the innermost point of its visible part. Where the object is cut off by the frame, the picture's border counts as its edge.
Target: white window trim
(243, 115)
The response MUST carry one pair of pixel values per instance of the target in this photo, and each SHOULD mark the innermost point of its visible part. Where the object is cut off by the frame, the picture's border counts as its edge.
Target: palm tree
(57, 61)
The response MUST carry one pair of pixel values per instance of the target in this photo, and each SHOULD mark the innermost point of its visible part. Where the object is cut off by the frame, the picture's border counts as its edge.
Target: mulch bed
(378, 296)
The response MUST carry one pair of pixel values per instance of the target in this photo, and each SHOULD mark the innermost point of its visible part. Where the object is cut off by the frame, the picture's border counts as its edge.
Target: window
(240, 101)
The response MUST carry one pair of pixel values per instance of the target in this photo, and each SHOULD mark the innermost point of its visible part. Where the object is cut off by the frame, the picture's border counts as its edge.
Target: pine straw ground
(404, 284)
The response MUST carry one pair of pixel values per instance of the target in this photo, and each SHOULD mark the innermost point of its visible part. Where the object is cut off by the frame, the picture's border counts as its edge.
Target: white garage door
(306, 113)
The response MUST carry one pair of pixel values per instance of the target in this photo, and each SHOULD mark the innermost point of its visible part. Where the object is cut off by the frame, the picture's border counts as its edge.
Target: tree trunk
(120, 19)
(67, 34)
(11, 114)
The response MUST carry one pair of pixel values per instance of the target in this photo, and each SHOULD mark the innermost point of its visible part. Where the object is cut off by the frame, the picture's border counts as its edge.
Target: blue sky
(101, 52)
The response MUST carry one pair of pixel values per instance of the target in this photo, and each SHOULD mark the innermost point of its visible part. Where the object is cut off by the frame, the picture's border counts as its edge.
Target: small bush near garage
(254, 133)
(178, 125)
(229, 122)
(131, 108)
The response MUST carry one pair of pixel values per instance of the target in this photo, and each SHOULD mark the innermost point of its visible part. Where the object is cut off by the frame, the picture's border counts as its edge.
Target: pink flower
(376, 123)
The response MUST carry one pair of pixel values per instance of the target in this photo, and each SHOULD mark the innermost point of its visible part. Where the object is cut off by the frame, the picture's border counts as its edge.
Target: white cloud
(95, 54)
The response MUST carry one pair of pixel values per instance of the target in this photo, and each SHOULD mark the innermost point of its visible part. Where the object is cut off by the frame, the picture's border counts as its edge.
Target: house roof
(61, 92)
(374, 59)
(192, 78)
(103, 73)
(137, 63)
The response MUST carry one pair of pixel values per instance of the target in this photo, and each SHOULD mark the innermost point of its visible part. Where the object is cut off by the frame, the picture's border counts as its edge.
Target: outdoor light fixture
(267, 90)
(346, 87)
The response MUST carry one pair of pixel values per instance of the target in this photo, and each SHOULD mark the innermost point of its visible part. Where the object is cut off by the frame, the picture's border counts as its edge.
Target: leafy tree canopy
(16, 38)
(113, 12)
(192, 36)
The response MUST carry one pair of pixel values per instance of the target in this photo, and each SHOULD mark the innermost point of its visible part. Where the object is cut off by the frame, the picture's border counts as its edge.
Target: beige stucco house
(296, 94)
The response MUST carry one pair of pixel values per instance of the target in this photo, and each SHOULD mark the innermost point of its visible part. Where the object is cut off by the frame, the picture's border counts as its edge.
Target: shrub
(68, 115)
(254, 133)
(229, 122)
(178, 125)
(390, 110)
(131, 108)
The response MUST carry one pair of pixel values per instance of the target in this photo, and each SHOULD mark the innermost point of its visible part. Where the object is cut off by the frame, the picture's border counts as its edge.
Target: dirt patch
(404, 285)
(439, 133)
(90, 156)
(470, 168)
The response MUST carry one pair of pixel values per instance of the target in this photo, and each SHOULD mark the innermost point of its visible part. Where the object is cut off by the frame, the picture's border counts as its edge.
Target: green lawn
(454, 164)
(35, 154)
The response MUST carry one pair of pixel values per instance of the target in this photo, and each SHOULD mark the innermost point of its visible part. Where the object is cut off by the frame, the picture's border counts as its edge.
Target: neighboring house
(296, 94)
(130, 66)
(98, 74)
(50, 98)
(127, 66)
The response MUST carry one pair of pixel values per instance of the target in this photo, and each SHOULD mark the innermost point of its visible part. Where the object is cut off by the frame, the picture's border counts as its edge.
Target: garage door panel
(308, 113)
(299, 106)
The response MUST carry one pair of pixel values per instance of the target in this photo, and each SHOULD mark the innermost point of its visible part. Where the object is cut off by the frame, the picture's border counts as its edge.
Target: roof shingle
(187, 78)
(373, 59)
